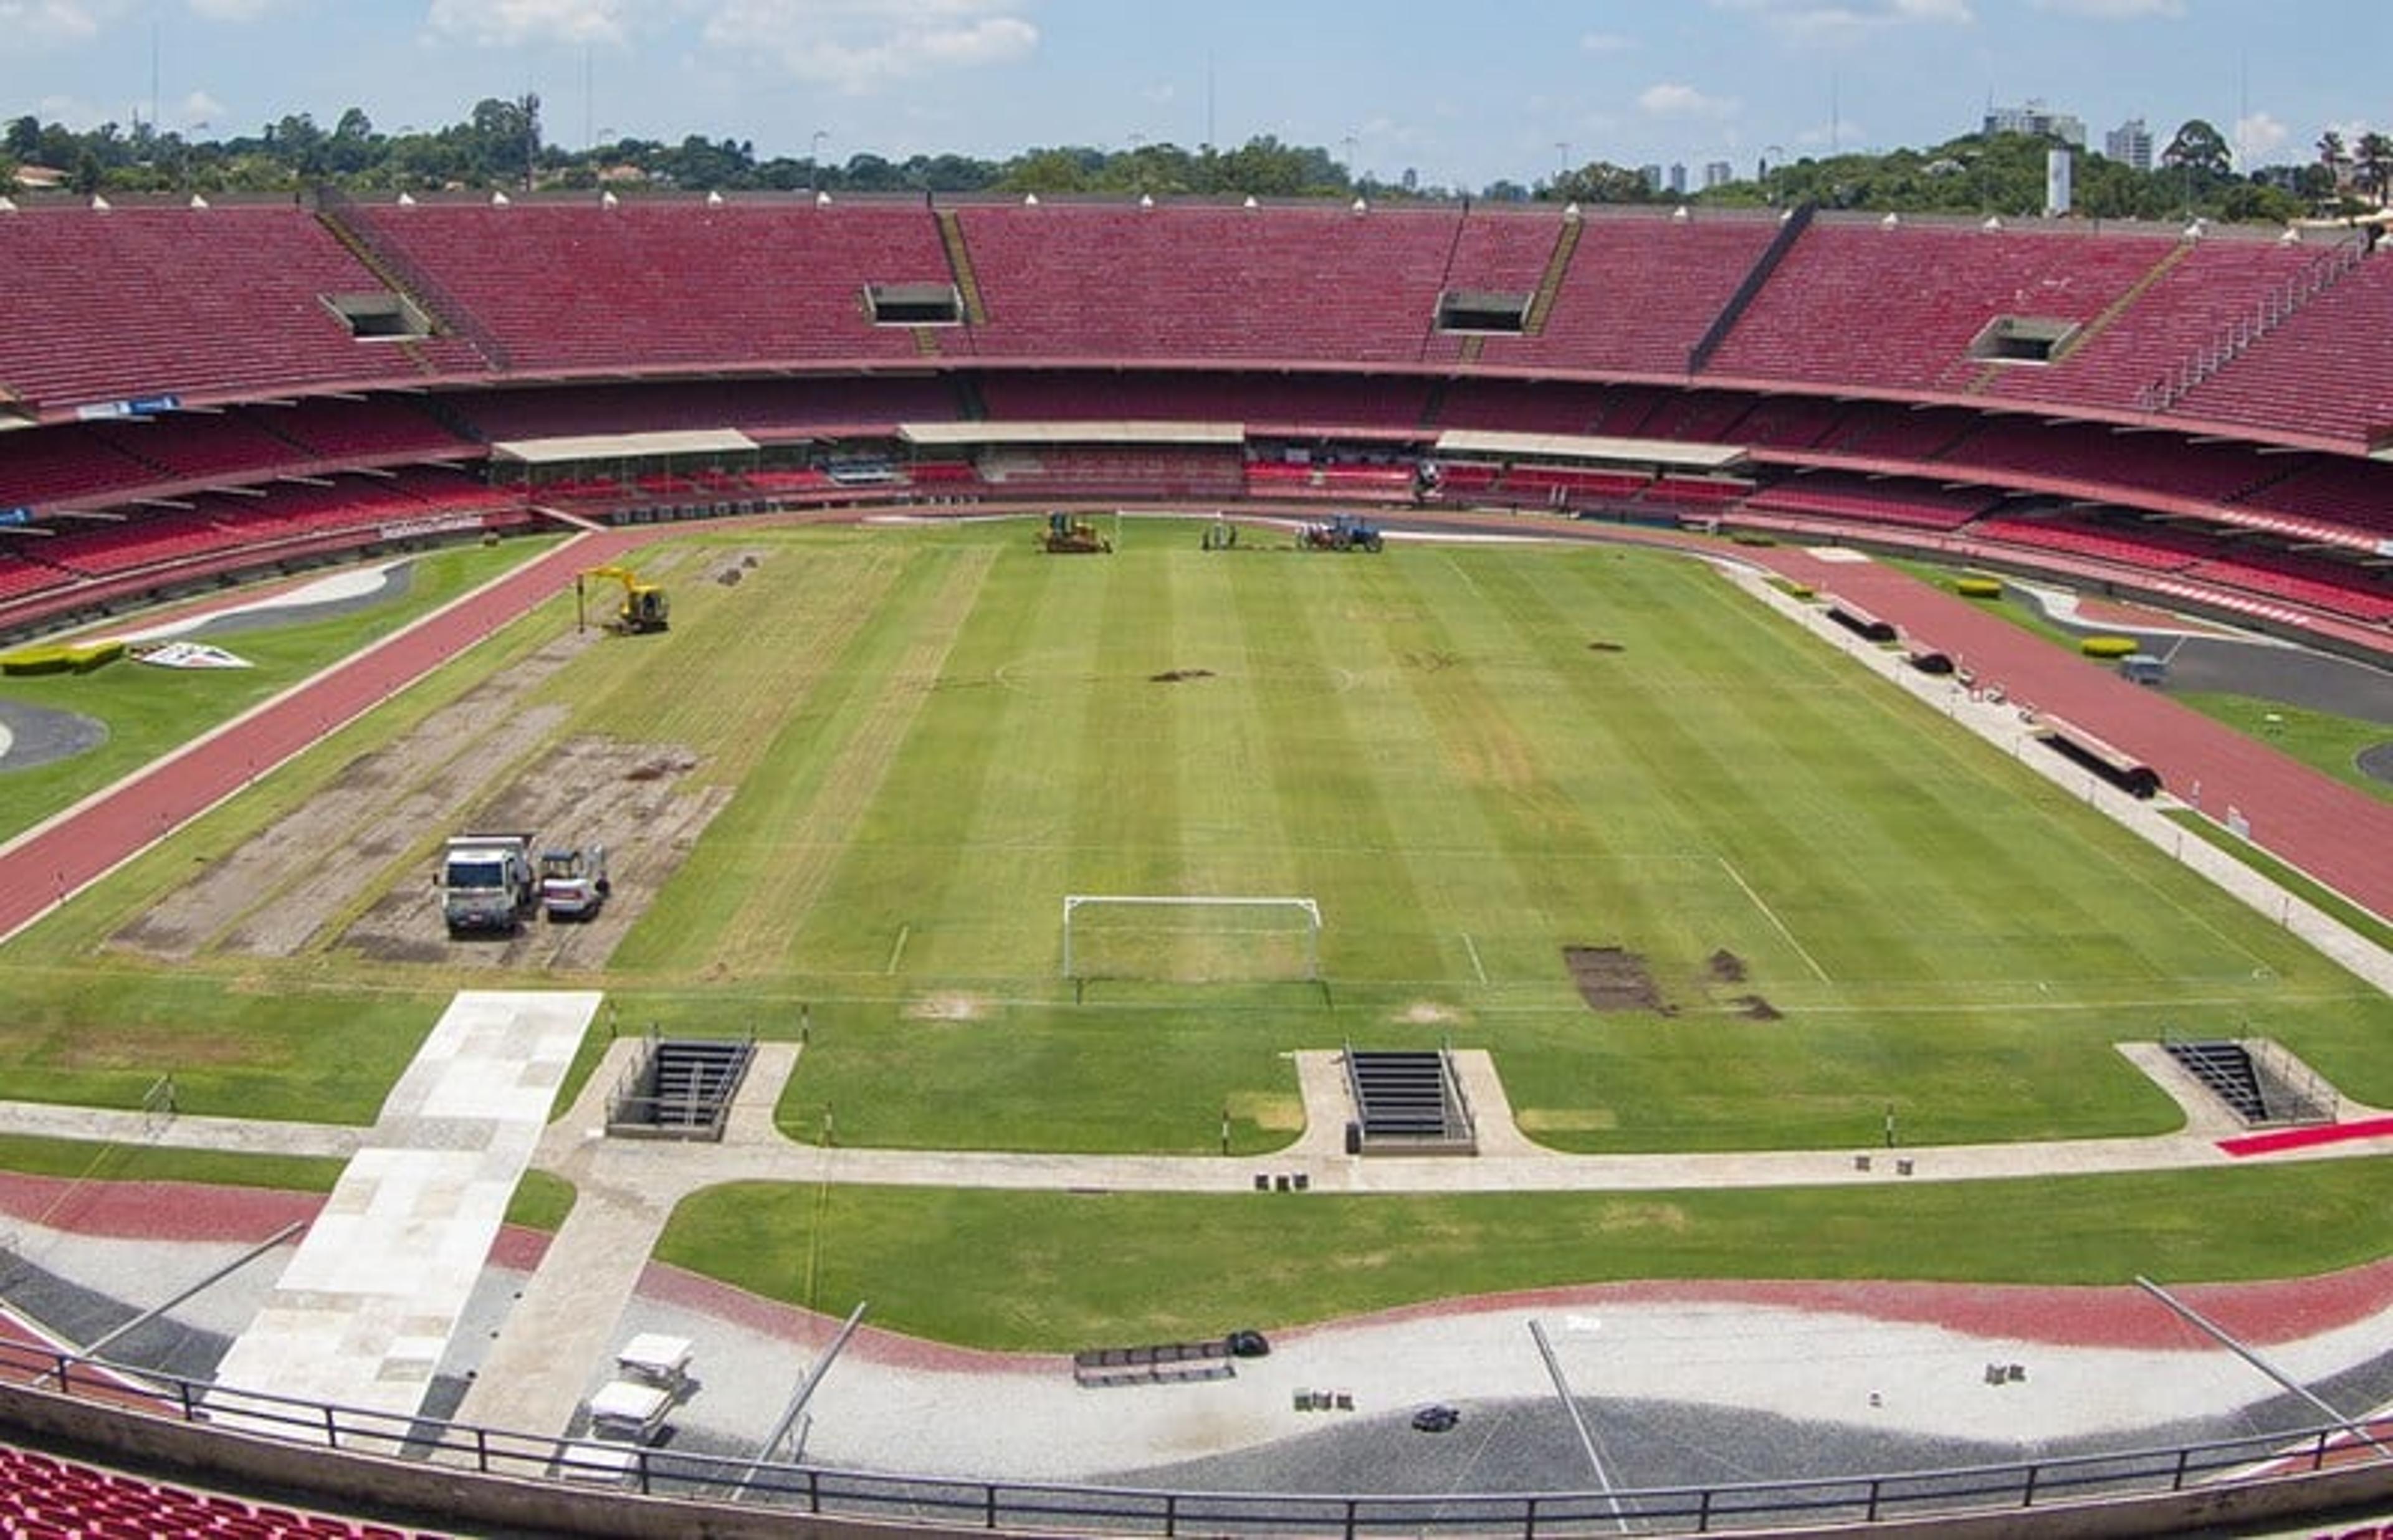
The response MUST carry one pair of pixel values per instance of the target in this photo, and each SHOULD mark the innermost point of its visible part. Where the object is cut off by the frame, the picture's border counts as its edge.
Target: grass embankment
(1057, 1272)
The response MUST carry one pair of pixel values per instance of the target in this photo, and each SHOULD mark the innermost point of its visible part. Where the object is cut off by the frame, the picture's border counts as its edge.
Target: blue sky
(1464, 94)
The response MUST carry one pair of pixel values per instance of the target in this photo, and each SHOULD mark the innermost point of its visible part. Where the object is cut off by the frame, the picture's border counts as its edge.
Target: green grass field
(1471, 757)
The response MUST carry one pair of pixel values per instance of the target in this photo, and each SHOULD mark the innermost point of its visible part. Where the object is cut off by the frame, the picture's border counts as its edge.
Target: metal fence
(1000, 1504)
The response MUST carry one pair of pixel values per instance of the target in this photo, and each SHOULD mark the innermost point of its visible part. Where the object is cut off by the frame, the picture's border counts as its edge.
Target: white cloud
(509, 23)
(34, 23)
(2114, 11)
(858, 46)
(1671, 100)
(1606, 43)
(2259, 137)
(1810, 20)
(201, 111)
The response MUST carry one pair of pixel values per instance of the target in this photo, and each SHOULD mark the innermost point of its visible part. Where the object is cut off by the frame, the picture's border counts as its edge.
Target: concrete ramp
(366, 1306)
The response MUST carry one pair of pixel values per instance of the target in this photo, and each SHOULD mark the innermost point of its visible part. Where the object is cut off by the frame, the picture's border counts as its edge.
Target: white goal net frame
(1301, 929)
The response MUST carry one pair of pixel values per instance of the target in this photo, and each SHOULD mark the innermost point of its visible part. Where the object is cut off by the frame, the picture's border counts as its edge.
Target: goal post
(1189, 939)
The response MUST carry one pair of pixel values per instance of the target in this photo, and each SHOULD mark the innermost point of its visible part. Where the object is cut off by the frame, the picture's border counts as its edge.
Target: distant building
(1652, 177)
(1717, 174)
(1678, 176)
(2039, 120)
(2130, 144)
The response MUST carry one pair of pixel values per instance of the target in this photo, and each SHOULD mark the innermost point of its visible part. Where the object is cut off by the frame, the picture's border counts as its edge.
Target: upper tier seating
(1642, 290)
(1897, 308)
(1497, 251)
(1199, 282)
(2205, 284)
(2322, 372)
(570, 286)
(110, 304)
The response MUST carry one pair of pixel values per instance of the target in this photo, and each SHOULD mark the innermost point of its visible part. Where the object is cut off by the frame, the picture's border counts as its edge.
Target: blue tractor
(1345, 532)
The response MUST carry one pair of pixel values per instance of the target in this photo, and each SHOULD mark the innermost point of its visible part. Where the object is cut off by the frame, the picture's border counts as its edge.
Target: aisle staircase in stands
(960, 264)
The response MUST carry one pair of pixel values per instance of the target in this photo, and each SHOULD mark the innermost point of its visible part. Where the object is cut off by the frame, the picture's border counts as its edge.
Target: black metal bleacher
(680, 1089)
(1408, 1101)
(2225, 1070)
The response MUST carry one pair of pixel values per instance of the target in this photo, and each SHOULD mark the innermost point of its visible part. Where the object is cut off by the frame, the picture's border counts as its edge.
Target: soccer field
(1472, 758)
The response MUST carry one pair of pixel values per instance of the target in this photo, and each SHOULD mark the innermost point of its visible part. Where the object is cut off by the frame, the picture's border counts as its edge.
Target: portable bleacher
(1408, 1102)
(2259, 1084)
(680, 1087)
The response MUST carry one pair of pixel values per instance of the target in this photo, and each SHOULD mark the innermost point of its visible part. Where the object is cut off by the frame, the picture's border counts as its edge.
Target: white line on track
(1772, 915)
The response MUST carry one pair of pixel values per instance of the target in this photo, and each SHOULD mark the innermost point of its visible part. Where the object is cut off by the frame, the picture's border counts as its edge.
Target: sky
(1460, 94)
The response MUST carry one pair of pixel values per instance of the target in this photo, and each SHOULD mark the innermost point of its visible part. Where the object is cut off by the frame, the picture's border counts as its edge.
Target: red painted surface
(2307, 1139)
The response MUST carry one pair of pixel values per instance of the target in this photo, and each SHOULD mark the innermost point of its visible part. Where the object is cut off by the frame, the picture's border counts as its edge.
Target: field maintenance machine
(573, 880)
(643, 607)
(1068, 536)
(1345, 532)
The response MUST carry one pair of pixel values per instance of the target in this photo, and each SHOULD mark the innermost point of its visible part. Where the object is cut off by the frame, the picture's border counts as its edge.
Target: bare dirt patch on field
(1180, 676)
(946, 1008)
(1753, 1008)
(1427, 1013)
(1611, 978)
(366, 846)
(272, 894)
(587, 791)
(1727, 967)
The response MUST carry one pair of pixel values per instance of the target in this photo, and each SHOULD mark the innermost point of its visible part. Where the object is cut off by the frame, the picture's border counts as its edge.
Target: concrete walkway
(364, 1310)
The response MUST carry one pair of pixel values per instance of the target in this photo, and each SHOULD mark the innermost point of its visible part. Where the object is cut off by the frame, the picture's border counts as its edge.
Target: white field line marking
(1772, 915)
(1472, 948)
(897, 952)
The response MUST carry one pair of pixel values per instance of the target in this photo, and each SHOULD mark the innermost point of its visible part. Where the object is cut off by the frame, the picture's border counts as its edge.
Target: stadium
(1201, 992)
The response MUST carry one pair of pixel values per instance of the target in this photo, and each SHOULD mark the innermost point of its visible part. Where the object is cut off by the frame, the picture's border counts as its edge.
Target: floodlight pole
(2218, 1333)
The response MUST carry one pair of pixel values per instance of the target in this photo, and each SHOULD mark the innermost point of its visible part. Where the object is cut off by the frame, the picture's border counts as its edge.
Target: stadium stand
(1299, 285)
(2323, 369)
(764, 409)
(1866, 500)
(210, 304)
(2193, 290)
(1643, 289)
(563, 287)
(1274, 403)
(41, 1496)
(1898, 308)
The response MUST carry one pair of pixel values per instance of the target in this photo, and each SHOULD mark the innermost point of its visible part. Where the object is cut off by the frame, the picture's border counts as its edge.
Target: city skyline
(1388, 87)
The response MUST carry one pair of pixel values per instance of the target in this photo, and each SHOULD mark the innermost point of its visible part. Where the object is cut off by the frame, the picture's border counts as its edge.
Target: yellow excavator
(643, 606)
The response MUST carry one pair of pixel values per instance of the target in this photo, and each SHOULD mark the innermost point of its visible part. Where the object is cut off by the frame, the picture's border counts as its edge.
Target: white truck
(573, 881)
(487, 882)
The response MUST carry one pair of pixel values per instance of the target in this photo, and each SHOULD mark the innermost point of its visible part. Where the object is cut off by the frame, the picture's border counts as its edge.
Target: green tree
(2200, 148)
(2372, 160)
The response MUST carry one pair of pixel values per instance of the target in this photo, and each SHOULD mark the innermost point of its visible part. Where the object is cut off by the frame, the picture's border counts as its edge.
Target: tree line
(499, 145)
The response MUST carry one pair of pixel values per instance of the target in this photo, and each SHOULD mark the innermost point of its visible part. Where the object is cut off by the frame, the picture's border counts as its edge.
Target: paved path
(364, 1310)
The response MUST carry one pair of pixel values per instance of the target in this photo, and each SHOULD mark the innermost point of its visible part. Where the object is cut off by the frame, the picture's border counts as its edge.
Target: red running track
(2336, 834)
(48, 864)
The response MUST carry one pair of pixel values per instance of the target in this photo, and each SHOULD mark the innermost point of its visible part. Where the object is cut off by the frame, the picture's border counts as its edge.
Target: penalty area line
(897, 952)
(1772, 915)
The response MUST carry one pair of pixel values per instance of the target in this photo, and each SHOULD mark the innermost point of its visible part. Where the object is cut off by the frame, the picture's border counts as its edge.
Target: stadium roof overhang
(974, 436)
(623, 446)
(1616, 452)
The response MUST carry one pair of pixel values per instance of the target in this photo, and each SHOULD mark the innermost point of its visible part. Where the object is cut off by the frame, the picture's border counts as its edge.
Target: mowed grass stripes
(1472, 758)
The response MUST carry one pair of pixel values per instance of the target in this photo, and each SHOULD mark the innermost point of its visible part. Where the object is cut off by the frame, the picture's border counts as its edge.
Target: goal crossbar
(1308, 908)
